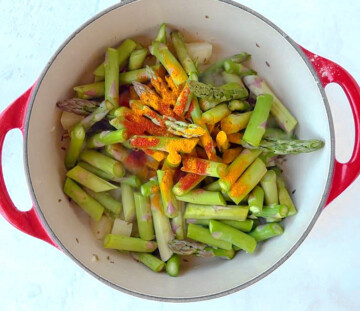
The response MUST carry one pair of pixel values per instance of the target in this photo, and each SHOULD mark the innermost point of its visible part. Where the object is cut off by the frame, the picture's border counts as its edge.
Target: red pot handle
(28, 222)
(328, 72)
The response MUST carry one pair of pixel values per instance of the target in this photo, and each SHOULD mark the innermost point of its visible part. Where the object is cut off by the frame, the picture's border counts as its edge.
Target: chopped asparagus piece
(81, 198)
(77, 137)
(125, 243)
(106, 200)
(151, 261)
(173, 265)
(200, 196)
(197, 211)
(257, 123)
(128, 202)
(264, 232)
(231, 235)
(143, 216)
(203, 235)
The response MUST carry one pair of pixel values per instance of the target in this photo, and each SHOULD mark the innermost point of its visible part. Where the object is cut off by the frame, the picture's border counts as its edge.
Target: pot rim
(180, 299)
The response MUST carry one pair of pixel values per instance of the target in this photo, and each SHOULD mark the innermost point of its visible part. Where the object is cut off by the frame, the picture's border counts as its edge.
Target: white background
(323, 274)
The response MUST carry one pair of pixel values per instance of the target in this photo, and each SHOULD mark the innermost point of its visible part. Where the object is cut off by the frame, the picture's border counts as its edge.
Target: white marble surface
(323, 274)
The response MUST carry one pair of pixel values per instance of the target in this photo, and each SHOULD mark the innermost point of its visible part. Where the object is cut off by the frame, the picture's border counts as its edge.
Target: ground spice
(195, 165)
(238, 189)
(182, 101)
(144, 142)
(189, 180)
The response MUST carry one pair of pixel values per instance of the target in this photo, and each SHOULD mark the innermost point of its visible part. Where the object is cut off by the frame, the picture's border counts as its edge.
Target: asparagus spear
(77, 137)
(137, 58)
(231, 154)
(170, 204)
(207, 105)
(282, 115)
(128, 202)
(107, 138)
(78, 106)
(289, 146)
(274, 211)
(173, 265)
(97, 115)
(203, 235)
(182, 54)
(209, 75)
(222, 141)
(111, 66)
(98, 172)
(103, 162)
(214, 186)
(203, 167)
(168, 60)
(268, 183)
(231, 235)
(249, 179)
(139, 75)
(106, 200)
(199, 249)
(123, 51)
(88, 91)
(89, 180)
(264, 232)
(284, 196)
(151, 187)
(161, 35)
(216, 94)
(131, 180)
(143, 216)
(238, 105)
(125, 243)
(162, 227)
(200, 196)
(237, 167)
(196, 211)
(235, 122)
(183, 101)
(81, 198)
(187, 183)
(257, 123)
(201, 222)
(245, 225)
(277, 133)
(139, 108)
(178, 222)
(256, 200)
(168, 144)
(216, 114)
(131, 159)
(151, 261)
(183, 129)
(238, 69)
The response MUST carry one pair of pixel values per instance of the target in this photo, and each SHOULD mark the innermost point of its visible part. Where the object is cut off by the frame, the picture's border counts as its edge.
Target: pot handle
(14, 117)
(329, 72)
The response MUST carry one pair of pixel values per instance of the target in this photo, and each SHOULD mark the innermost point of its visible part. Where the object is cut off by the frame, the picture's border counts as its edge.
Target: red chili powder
(188, 181)
(144, 142)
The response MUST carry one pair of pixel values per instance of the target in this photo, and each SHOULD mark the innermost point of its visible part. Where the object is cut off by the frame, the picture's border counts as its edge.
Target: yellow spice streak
(222, 140)
(167, 183)
(175, 71)
(168, 97)
(156, 155)
(229, 155)
(174, 88)
(198, 131)
(235, 138)
(155, 202)
(239, 189)
(236, 171)
(151, 99)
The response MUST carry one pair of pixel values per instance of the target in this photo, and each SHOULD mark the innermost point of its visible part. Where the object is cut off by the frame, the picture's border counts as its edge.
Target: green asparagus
(77, 137)
(125, 243)
(151, 261)
(143, 216)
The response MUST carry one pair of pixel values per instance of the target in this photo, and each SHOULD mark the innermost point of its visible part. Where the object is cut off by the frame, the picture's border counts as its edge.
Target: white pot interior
(231, 30)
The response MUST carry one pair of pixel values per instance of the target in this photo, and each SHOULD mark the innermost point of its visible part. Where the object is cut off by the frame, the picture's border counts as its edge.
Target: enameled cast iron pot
(295, 74)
